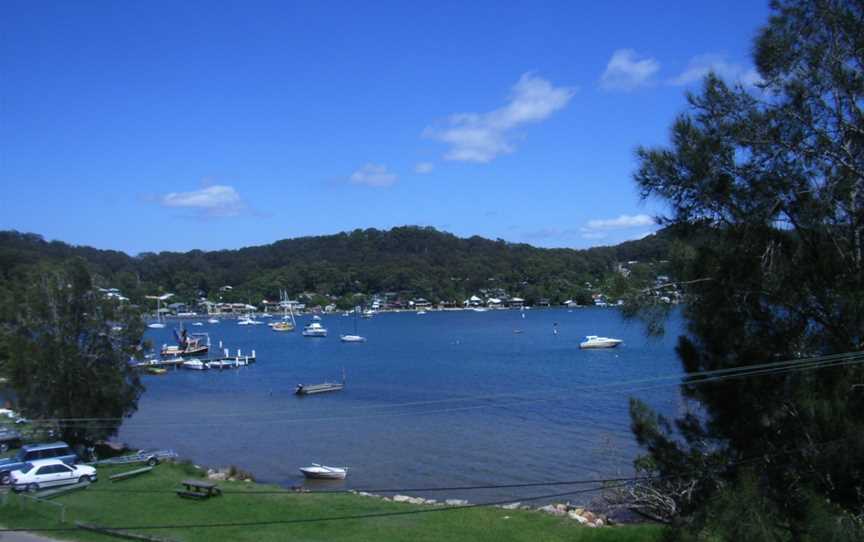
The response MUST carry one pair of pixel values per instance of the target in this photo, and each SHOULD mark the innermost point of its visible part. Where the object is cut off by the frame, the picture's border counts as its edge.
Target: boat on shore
(323, 472)
(593, 341)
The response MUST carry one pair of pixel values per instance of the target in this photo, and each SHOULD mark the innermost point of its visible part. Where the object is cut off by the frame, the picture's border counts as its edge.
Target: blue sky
(153, 126)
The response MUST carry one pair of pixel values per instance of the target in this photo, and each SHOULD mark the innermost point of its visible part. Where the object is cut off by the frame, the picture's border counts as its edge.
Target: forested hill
(420, 262)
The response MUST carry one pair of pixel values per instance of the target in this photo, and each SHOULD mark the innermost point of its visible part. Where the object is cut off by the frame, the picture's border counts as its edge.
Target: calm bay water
(443, 399)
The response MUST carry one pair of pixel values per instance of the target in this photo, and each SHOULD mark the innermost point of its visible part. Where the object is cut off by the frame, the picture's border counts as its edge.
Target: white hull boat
(156, 325)
(352, 339)
(593, 341)
(213, 321)
(323, 472)
(195, 365)
(314, 330)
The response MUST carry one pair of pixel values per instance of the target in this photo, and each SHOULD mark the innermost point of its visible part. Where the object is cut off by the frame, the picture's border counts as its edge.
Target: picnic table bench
(199, 489)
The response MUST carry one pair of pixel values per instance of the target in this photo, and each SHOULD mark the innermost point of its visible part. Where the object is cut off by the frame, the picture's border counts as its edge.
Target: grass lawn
(150, 500)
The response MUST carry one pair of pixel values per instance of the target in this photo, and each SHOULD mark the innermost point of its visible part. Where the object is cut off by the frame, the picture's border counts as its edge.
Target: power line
(692, 379)
(745, 368)
(392, 514)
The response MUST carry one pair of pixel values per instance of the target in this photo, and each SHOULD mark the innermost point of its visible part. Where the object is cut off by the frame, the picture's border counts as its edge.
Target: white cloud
(375, 175)
(424, 167)
(626, 71)
(215, 201)
(702, 65)
(622, 222)
(481, 137)
(599, 228)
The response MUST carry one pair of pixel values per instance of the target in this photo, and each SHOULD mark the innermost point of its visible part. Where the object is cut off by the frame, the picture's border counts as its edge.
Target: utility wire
(692, 379)
(826, 359)
(377, 514)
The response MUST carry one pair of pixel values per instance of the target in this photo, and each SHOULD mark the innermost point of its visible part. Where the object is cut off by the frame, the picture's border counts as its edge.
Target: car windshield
(27, 467)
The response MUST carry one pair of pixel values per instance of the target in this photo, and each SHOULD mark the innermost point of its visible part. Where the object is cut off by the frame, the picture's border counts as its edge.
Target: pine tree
(766, 187)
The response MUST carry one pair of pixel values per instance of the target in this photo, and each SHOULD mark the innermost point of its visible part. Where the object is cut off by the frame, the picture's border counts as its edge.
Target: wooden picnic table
(199, 489)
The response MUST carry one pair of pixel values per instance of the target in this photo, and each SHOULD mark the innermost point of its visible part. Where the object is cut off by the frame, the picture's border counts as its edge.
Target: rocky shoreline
(577, 513)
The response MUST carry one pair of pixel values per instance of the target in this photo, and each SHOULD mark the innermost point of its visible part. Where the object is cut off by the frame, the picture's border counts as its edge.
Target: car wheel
(4, 447)
(32, 488)
(5, 478)
(152, 462)
(85, 479)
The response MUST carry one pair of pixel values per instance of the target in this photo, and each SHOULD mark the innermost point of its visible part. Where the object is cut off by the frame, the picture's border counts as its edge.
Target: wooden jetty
(312, 389)
(226, 360)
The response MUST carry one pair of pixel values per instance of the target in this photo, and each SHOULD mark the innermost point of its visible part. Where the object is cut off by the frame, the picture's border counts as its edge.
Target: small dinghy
(323, 472)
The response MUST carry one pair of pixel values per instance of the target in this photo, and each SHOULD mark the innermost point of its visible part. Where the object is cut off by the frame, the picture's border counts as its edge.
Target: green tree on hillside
(65, 352)
(767, 189)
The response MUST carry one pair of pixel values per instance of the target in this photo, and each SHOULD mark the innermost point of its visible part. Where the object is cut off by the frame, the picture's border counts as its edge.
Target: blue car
(35, 452)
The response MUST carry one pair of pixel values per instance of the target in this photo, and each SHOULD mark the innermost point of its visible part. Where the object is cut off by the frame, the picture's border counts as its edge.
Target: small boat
(157, 370)
(195, 365)
(421, 313)
(314, 330)
(480, 309)
(197, 323)
(316, 318)
(246, 321)
(213, 321)
(355, 338)
(593, 341)
(156, 325)
(323, 472)
(368, 313)
(287, 323)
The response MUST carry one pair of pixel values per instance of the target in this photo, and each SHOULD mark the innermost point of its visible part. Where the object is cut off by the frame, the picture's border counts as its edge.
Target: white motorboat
(314, 330)
(421, 313)
(352, 339)
(213, 321)
(323, 472)
(156, 325)
(593, 341)
(194, 364)
(197, 323)
(247, 321)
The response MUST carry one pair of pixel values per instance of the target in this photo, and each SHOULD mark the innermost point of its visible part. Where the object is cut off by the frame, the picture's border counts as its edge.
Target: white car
(36, 475)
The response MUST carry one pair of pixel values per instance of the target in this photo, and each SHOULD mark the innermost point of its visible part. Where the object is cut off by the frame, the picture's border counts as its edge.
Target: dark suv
(35, 452)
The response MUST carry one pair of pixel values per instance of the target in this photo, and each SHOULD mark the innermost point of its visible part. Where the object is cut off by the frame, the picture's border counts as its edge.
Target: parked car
(36, 475)
(36, 452)
(9, 438)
